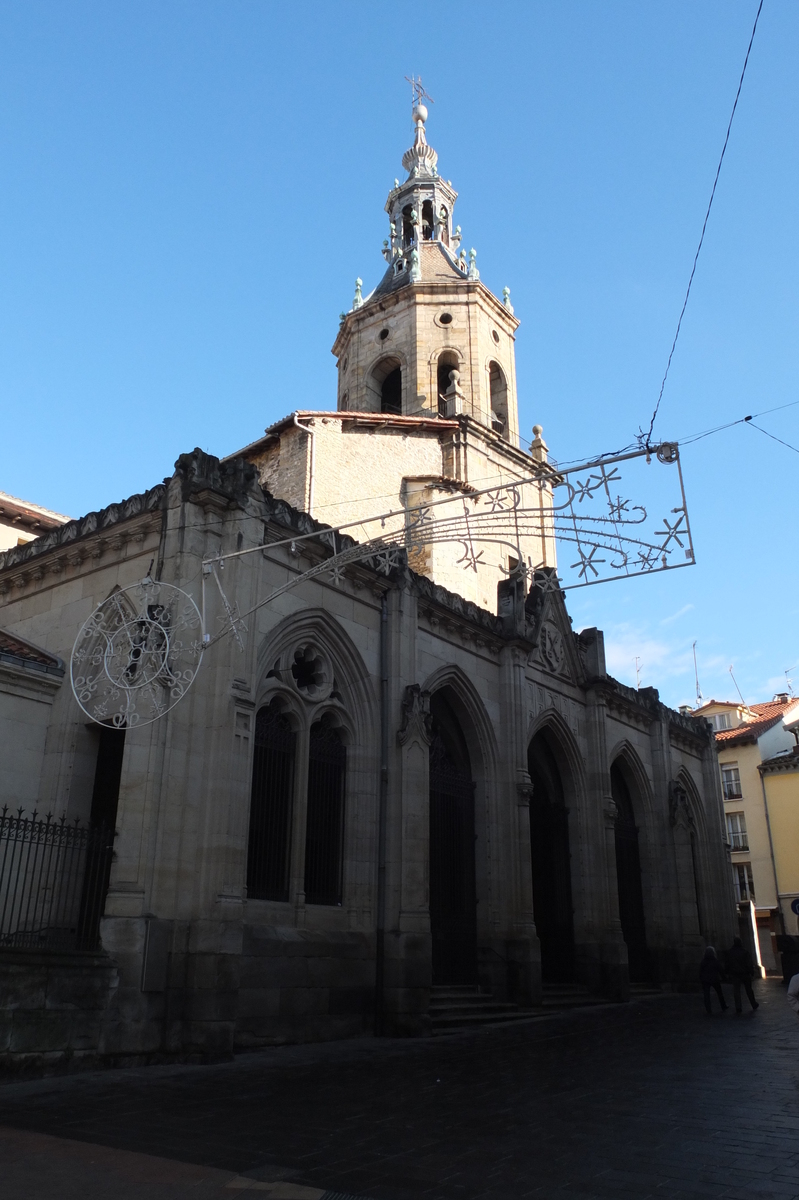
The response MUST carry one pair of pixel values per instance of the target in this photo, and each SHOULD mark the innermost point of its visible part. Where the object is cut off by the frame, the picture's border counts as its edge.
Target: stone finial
(506, 300)
(453, 397)
(416, 267)
(396, 183)
(358, 301)
(421, 159)
(473, 272)
(538, 447)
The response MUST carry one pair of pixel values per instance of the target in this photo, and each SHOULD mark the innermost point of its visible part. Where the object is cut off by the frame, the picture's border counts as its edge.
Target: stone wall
(53, 1007)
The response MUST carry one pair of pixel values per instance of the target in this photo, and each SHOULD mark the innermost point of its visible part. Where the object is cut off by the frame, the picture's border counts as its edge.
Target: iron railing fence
(53, 881)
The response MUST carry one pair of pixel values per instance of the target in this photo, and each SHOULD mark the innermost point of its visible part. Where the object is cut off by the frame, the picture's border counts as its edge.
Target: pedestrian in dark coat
(710, 977)
(740, 969)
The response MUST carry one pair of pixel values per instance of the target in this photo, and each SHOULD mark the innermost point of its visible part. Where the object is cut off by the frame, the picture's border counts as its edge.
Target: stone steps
(464, 1007)
(559, 996)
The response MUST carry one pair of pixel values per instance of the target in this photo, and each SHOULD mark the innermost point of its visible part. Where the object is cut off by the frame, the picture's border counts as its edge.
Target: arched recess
(688, 819)
(498, 393)
(552, 761)
(448, 360)
(310, 670)
(384, 385)
(462, 768)
(627, 797)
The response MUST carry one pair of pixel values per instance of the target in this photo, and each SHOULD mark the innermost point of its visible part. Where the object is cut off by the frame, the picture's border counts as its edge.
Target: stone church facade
(404, 775)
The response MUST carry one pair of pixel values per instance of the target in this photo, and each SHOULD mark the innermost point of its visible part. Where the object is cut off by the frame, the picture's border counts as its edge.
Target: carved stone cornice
(91, 528)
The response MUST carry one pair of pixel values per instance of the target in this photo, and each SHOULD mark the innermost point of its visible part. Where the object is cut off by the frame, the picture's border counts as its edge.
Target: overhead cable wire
(645, 438)
(774, 438)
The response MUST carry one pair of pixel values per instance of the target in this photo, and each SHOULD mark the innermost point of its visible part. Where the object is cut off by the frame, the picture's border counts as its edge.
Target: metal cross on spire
(418, 92)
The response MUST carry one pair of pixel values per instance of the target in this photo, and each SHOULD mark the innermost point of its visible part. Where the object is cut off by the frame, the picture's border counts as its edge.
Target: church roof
(436, 263)
(439, 424)
(21, 653)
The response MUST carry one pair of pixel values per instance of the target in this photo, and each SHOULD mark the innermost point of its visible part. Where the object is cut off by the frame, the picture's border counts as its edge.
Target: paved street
(647, 1099)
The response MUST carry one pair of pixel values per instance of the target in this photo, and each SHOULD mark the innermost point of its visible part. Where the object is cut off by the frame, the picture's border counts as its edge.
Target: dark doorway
(628, 876)
(453, 912)
(551, 863)
(100, 839)
(391, 392)
(271, 806)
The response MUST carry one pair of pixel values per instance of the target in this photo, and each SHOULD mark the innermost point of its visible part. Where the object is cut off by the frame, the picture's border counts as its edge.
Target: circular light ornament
(137, 654)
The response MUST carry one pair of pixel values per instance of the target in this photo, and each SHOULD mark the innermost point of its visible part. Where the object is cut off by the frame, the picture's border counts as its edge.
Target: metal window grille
(270, 806)
(53, 881)
(736, 830)
(744, 883)
(327, 766)
(732, 783)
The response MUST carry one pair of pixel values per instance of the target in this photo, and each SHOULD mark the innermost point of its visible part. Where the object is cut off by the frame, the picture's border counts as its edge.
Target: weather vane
(418, 92)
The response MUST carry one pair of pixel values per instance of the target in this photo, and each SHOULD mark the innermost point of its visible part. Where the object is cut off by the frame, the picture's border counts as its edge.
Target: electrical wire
(774, 438)
(645, 438)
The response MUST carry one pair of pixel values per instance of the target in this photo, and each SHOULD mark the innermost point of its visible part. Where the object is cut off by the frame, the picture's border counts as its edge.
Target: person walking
(793, 993)
(710, 977)
(740, 970)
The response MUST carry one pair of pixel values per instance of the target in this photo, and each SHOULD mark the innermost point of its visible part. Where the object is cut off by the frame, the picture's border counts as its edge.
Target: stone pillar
(691, 941)
(407, 944)
(603, 952)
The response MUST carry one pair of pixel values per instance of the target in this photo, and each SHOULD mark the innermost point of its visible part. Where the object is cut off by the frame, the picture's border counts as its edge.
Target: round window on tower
(445, 319)
(383, 334)
(495, 336)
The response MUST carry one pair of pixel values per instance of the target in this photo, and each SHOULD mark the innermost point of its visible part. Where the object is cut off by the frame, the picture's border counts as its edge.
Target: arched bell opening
(384, 386)
(408, 232)
(628, 877)
(428, 221)
(447, 362)
(498, 389)
(551, 859)
(453, 900)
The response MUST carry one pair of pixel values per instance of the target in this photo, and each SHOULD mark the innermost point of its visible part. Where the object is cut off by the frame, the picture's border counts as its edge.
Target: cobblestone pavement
(650, 1099)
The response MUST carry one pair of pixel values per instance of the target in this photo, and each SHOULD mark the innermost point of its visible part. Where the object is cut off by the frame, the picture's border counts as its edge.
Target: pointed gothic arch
(553, 762)
(690, 838)
(462, 758)
(626, 793)
(311, 777)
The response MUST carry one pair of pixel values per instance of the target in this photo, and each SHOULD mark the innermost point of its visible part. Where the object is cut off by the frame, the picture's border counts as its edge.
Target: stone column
(407, 949)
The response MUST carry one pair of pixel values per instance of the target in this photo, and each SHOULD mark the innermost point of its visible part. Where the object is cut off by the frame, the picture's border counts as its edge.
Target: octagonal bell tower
(431, 339)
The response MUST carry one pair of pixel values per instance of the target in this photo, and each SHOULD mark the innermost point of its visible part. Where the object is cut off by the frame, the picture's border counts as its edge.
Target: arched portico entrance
(453, 913)
(628, 877)
(551, 860)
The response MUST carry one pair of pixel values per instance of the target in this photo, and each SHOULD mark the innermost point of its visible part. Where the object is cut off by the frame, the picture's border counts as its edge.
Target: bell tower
(431, 339)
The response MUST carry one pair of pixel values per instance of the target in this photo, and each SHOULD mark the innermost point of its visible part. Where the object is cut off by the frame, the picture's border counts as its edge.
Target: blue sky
(190, 190)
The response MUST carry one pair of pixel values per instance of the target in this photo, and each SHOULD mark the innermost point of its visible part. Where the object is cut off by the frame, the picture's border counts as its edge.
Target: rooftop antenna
(699, 697)
(788, 680)
(638, 672)
(738, 690)
(417, 91)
